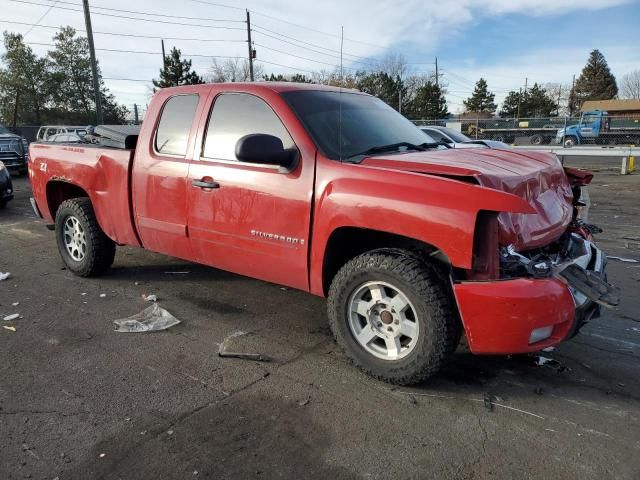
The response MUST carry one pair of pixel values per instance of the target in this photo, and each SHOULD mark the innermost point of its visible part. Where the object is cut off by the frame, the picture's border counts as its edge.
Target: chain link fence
(591, 128)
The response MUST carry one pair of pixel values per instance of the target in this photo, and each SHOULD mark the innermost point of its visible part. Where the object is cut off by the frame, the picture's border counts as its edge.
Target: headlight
(2, 167)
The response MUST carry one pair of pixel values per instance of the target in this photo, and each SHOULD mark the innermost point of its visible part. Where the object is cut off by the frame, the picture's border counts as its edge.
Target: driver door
(249, 218)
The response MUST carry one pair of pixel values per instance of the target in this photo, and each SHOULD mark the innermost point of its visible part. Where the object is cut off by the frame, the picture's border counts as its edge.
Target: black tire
(100, 249)
(537, 140)
(423, 285)
(569, 142)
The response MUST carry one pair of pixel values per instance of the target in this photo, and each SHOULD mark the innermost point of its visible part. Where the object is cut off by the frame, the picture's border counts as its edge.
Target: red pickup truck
(331, 191)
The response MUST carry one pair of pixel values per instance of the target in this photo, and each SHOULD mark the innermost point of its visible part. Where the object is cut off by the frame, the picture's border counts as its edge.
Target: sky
(508, 42)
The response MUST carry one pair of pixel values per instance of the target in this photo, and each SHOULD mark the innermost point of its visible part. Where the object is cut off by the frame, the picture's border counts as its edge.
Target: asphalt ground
(80, 401)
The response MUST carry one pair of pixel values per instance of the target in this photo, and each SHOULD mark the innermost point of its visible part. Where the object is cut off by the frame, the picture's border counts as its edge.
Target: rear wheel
(537, 140)
(83, 246)
(393, 316)
(570, 141)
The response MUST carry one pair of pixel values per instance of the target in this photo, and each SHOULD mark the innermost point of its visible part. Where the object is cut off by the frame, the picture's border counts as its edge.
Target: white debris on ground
(149, 298)
(4, 276)
(542, 360)
(13, 316)
(622, 259)
(103, 295)
(151, 319)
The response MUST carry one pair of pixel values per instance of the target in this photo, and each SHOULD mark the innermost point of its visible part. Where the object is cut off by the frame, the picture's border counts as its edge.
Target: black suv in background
(14, 151)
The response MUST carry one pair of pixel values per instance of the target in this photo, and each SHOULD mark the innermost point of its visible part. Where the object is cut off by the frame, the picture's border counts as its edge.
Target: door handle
(205, 184)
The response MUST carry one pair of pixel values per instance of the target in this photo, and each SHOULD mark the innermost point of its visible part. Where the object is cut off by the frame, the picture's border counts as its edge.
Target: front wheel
(570, 142)
(83, 246)
(393, 315)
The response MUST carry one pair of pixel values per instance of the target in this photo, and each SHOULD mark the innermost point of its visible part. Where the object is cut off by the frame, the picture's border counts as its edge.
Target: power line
(39, 20)
(298, 56)
(132, 18)
(151, 14)
(313, 50)
(113, 50)
(314, 30)
(155, 37)
(306, 43)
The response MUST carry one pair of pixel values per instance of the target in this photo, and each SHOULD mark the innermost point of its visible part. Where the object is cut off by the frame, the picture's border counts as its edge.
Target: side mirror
(264, 149)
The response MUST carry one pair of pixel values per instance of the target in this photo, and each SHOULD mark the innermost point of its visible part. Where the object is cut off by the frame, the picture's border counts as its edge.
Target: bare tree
(630, 85)
(233, 70)
(560, 94)
(393, 64)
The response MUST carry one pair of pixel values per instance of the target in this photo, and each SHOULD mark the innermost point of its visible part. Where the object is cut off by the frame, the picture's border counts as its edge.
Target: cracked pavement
(80, 401)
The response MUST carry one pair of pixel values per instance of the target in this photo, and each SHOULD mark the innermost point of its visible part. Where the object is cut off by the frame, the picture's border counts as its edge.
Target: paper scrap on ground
(11, 329)
(625, 260)
(4, 276)
(151, 319)
(13, 316)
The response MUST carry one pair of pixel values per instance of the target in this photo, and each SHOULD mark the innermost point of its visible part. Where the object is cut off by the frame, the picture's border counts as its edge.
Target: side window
(235, 115)
(437, 136)
(174, 128)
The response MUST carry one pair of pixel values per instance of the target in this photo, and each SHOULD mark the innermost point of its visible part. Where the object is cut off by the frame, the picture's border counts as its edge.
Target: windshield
(4, 129)
(455, 135)
(345, 124)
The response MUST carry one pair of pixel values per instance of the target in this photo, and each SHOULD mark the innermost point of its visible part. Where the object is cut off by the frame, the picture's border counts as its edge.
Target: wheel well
(58, 191)
(346, 243)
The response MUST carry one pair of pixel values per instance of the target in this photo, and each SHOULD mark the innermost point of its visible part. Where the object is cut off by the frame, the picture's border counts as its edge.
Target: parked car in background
(65, 138)
(47, 131)
(14, 151)
(457, 139)
(6, 186)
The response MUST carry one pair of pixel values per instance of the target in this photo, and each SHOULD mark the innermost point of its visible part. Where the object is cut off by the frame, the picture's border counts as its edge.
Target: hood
(537, 177)
(9, 136)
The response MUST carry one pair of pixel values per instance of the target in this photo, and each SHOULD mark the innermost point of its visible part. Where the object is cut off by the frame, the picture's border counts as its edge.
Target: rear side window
(174, 128)
(235, 115)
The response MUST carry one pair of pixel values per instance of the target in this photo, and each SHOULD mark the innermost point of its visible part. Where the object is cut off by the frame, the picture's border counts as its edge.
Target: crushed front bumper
(522, 315)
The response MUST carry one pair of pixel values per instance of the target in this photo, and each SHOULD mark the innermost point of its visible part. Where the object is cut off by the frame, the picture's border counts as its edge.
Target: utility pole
(341, 45)
(559, 94)
(572, 93)
(136, 118)
(94, 64)
(400, 100)
(15, 109)
(526, 81)
(251, 51)
(437, 76)
(519, 100)
(164, 55)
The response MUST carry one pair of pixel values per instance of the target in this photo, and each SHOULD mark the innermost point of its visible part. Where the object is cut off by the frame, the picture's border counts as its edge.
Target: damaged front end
(521, 297)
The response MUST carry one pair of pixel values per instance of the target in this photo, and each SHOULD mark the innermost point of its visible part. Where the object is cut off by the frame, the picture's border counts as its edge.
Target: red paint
(498, 317)
(148, 200)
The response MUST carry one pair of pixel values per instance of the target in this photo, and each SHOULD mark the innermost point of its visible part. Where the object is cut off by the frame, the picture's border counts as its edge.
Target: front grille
(11, 158)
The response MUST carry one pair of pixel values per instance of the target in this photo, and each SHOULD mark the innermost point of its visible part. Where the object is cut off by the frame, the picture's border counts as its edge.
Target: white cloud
(377, 25)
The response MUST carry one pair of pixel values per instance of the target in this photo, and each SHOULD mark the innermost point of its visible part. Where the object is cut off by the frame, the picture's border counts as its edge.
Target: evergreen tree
(481, 100)
(176, 72)
(428, 102)
(535, 102)
(25, 79)
(596, 82)
(511, 103)
(383, 86)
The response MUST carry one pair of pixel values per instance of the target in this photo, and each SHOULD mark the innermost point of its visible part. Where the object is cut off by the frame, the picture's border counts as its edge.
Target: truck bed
(102, 172)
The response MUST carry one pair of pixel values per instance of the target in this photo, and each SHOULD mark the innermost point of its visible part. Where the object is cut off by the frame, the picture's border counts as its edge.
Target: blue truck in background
(597, 127)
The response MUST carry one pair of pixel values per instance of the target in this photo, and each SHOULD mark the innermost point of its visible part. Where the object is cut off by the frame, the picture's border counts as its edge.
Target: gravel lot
(80, 401)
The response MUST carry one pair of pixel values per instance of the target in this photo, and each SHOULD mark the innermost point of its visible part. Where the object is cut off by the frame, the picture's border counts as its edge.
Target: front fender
(438, 211)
